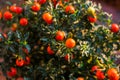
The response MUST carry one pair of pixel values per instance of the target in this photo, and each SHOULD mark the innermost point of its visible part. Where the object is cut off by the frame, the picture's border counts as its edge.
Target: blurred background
(112, 7)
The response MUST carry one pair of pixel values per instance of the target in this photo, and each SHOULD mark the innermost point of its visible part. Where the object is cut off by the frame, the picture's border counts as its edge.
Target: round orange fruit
(70, 43)
(23, 22)
(112, 74)
(70, 9)
(35, 7)
(14, 27)
(80, 78)
(60, 35)
(7, 15)
(47, 17)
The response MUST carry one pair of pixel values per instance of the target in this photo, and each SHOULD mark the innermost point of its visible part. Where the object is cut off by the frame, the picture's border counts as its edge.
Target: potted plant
(58, 40)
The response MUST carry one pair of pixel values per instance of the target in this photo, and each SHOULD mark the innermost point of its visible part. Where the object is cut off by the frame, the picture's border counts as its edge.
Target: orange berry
(20, 62)
(92, 19)
(60, 35)
(60, 3)
(70, 43)
(42, 1)
(27, 60)
(13, 8)
(23, 22)
(115, 28)
(112, 74)
(7, 15)
(100, 75)
(16, 9)
(80, 78)
(94, 68)
(12, 72)
(50, 51)
(0, 15)
(47, 17)
(14, 27)
(35, 7)
(19, 10)
(70, 9)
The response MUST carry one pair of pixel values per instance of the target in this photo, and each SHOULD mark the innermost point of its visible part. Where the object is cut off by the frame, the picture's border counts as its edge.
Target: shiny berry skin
(19, 10)
(16, 9)
(23, 22)
(70, 9)
(35, 7)
(80, 78)
(19, 62)
(60, 35)
(92, 19)
(14, 27)
(12, 72)
(112, 74)
(94, 68)
(70, 43)
(42, 1)
(27, 60)
(114, 28)
(100, 75)
(7, 15)
(13, 8)
(50, 51)
(47, 17)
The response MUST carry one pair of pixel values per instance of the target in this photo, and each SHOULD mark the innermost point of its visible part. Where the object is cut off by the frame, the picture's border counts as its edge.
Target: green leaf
(26, 36)
(12, 49)
(18, 35)
(8, 2)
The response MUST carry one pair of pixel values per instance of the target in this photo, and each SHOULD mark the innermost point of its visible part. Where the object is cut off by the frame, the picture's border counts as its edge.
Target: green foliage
(94, 42)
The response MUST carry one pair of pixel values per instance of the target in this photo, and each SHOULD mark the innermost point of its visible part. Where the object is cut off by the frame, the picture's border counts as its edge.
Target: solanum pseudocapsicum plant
(58, 40)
